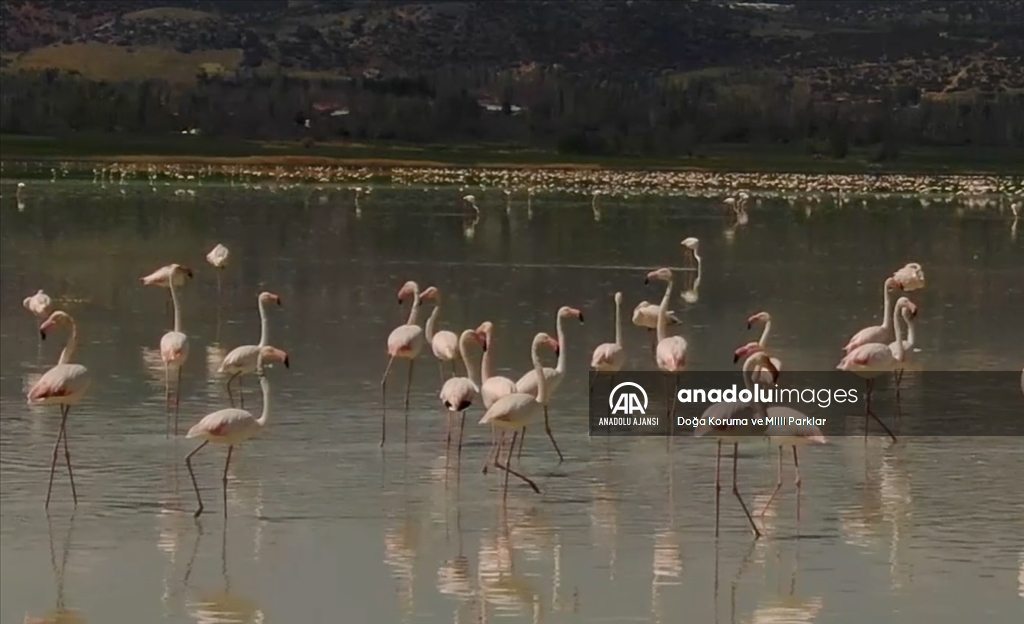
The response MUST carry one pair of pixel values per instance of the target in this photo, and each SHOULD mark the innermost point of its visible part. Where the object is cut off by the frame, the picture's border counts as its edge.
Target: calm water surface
(324, 527)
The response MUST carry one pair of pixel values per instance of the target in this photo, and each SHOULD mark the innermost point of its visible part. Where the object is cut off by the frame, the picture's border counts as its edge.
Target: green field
(192, 149)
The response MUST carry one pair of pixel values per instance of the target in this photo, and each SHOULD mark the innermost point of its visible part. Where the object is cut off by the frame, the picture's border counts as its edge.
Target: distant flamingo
(218, 259)
(65, 384)
(670, 352)
(877, 333)
(405, 342)
(765, 318)
(610, 356)
(458, 393)
(529, 384)
(515, 411)
(908, 347)
(174, 347)
(693, 244)
(732, 415)
(692, 292)
(38, 304)
(492, 387)
(161, 277)
(229, 426)
(444, 344)
(875, 358)
(242, 360)
(910, 277)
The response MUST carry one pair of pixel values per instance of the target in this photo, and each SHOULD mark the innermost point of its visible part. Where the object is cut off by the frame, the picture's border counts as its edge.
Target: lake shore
(192, 150)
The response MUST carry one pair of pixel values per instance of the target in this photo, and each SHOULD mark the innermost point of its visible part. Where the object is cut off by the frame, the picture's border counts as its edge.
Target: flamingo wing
(63, 380)
(512, 410)
(445, 345)
(868, 335)
(404, 339)
(607, 354)
(173, 346)
(457, 393)
(240, 359)
(873, 356)
(670, 353)
(527, 384)
(222, 424)
(495, 388)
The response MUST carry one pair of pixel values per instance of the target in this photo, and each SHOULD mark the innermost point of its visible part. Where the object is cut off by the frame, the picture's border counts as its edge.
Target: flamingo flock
(510, 407)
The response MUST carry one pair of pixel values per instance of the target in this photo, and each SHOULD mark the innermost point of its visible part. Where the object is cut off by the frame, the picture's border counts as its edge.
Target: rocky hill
(852, 49)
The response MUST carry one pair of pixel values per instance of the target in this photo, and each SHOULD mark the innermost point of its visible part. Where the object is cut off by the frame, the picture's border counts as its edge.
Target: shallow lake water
(324, 526)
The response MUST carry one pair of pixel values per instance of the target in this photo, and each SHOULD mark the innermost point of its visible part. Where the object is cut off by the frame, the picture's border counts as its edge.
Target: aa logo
(628, 398)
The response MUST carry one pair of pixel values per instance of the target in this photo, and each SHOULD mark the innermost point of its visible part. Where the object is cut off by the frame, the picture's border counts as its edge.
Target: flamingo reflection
(60, 614)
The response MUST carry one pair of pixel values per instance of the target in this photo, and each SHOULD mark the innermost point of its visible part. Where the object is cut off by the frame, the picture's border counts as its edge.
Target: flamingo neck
(174, 302)
(662, 325)
(265, 386)
(696, 257)
(618, 323)
(538, 370)
(560, 332)
(432, 321)
(466, 360)
(486, 366)
(909, 322)
(70, 345)
(886, 307)
(264, 325)
(899, 337)
(414, 313)
(764, 332)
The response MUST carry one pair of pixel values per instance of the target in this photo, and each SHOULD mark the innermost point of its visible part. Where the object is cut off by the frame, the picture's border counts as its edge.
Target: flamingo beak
(287, 364)
(581, 317)
(749, 324)
(647, 281)
(735, 357)
(42, 334)
(188, 272)
(279, 302)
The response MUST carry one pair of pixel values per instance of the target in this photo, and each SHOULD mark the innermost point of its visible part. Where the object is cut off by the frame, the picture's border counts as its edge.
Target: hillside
(838, 48)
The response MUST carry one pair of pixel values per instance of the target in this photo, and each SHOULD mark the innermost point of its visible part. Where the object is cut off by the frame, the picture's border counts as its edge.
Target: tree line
(547, 109)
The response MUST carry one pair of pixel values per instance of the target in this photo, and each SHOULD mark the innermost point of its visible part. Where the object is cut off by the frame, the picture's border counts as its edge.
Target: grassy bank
(177, 149)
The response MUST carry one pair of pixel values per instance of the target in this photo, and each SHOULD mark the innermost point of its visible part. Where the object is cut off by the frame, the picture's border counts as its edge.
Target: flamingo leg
(67, 457)
(778, 486)
(177, 400)
(869, 412)
(56, 449)
(718, 484)
(224, 481)
(898, 378)
(191, 473)
(522, 440)
(736, 489)
(408, 387)
(796, 481)
(462, 428)
(508, 470)
(448, 431)
(494, 447)
(547, 429)
(231, 398)
(383, 405)
(167, 399)
(508, 460)
(440, 369)
(241, 391)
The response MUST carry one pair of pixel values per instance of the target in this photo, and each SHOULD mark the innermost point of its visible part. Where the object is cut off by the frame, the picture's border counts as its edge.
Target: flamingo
(877, 333)
(458, 393)
(242, 360)
(610, 356)
(910, 276)
(874, 358)
(691, 294)
(492, 387)
(693, 244)
(529, 384)
(739, 421)
(38, 304)
(65, 384)
(515, 411)
(174, 346)
(444, 344)
(907, 346)
(162, 277)
(670, 351)
(765, 318)
(218, 259)
(779, 435)
(645, 315)
(230, 426)
(405, 342)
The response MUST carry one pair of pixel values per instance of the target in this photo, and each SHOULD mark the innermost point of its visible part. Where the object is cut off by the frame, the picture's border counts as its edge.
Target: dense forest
(909, 83)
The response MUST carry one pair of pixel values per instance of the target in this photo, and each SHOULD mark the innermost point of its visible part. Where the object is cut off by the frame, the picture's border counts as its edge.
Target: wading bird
(162, 277)
(492, 387)
(242, 360)
(38, 304)
(877, 333)
(174, 347)
(458, 393)
(670, 352)
(444, 343)
(610, 356)
(404, 342)
(65, 384)
(218, 259)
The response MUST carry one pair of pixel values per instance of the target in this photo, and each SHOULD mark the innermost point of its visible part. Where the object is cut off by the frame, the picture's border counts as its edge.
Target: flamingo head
(430, 293)
(761, 359)
(892, 283)
(269, 297)
(690, 243)
(618, 298)
(476, 336)
(273, 354)
(485, 330)
(408, 289)
(55, 319)
(904, 303)
(181, 268)
(760, 316)
(566, 311)
(746, 350)
(664, 274)
(545, 339)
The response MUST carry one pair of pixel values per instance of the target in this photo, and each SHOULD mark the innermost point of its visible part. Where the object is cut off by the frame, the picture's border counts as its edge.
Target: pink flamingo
(670, 352)
(645, 315)
(515, 411)
(732, 416)
(230, 426)
(877, 333)
(492, 387)
(610, 356)
(875, 358)
(218, 259)
(162, 277)
(65, 384)
(444, 344)
(174, 347)
(38, 304)
(762, 342)
(405, 342)
(529, 384)
(242, 360)
(910, 277)
(908, 347)
(458, 393)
